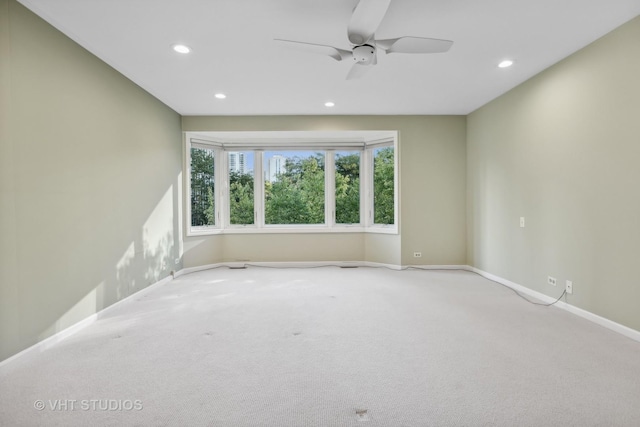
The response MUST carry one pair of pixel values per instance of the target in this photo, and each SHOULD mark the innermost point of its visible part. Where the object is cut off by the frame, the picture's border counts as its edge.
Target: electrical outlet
(551, 280)
(569, 287)
(417, 254)
(522, 221)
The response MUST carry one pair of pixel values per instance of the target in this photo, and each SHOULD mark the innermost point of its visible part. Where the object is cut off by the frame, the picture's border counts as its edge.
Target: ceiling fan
(365, 20)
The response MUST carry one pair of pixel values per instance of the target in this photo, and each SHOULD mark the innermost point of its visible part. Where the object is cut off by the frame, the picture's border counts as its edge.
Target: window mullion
(396, 186)
(258, 189)
(329, 188)
(221, 187)
(189, 190)
(367, 182)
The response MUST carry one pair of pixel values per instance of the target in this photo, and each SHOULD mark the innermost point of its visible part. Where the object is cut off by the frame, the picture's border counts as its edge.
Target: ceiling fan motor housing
(364, 53)
(364, 22)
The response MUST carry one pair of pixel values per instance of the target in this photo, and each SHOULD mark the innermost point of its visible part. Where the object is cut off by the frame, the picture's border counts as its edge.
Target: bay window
(271, 183)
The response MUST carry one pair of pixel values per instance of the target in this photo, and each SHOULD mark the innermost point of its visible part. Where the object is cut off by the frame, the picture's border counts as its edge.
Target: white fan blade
(334, 52)
(358, 70)
(366, 19)
(414, 45)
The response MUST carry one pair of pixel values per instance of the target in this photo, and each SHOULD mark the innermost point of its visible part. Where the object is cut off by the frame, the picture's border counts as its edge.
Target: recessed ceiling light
(180, 48)
(506, 63)
(220, 95)
(329, 104)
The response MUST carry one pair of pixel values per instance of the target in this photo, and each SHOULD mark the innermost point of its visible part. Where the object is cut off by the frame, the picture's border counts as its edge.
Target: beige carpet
(329, 347)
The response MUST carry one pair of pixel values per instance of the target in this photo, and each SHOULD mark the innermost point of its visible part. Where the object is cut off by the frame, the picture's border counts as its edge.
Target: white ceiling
(234, 51)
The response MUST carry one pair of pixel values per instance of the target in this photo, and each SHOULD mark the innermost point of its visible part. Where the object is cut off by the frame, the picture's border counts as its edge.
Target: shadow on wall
(148, 258)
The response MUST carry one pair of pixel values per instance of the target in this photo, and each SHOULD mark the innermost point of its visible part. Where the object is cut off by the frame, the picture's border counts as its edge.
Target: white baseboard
(59, 336)
(76, 327)
(303, 264)
(437, 267)
(275, 264)
(380, 265)
(602, 321)
(609, 324)
(522, 289)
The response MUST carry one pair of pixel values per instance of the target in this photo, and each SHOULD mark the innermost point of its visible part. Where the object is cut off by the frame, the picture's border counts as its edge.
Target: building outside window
(236, 162)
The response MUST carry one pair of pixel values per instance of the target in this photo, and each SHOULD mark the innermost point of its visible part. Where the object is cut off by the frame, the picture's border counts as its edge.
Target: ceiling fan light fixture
(364, 54)
(180, 48)
(506, 63)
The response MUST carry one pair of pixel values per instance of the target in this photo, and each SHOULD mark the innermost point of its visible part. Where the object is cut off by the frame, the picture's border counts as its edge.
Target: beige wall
(294, 247)
(563, 150)
(90, 169)
(432, 196)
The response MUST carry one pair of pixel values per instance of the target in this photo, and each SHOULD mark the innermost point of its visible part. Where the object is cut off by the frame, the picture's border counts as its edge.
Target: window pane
(383, 185)
(202, 188)
(241, 187)
(294, 187)
(347, 187)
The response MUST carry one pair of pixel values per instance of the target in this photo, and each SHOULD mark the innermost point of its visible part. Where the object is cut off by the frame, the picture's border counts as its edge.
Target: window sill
(293, 229)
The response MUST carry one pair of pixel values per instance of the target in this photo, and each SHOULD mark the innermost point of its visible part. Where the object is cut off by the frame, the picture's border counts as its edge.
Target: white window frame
(209, 229)
(368, 174)
(223, 224)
